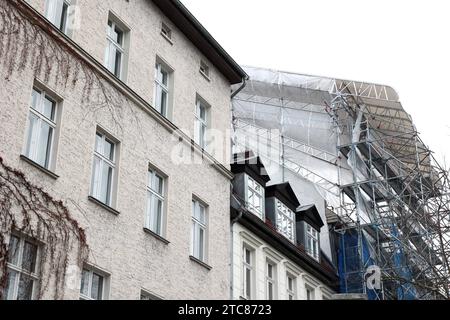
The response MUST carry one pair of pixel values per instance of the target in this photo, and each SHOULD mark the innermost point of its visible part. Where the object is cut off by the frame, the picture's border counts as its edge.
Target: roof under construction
(356, 144)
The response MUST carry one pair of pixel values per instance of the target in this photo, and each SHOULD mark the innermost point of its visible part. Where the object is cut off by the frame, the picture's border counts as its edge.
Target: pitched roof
(202, 39)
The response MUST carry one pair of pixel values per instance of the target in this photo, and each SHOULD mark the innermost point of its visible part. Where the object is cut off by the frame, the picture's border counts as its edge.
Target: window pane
(111, 57)
(164, 77)
(117, 63)
(96, 175)
(97, 287)
(156, 215)
(158, 184)
(108, 151)
(33, 132)
(248, 284)
(248, 256)
(193, 237)
(25, 288)
(13, 250)
(85, 282)
(44, 144)
(270, 291)
(29, 257)
(202, 112)
(105, 190)
(10, 281)
(49, 108)
(35, 96)
(201, 243)
(98, 142)
(270, 271)
(163, 102)
(290, 281)
(118, 35)
(62, 24)
(158, 98)
(202, 214)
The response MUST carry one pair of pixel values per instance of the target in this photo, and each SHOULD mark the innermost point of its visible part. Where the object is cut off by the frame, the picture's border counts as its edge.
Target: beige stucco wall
(144, 19)
(118, 244)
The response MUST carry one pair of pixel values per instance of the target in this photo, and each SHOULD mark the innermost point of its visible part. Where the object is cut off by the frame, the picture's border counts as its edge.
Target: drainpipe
(244, 83)
(231, 245)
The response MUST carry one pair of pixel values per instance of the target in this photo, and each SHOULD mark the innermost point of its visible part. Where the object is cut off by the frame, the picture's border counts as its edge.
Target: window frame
(113, 164)
(279, 215)
(20, 271)
(204, 70)
(196, 227)
(250, 206)
(118, 47)
(33, 136)
(152, 173)
(312, 236)
(271, 280)
(91, 272)
(166, 32)
(310, 293)
(291, 292)
(199, 136)
(250, 266)
(55, 13)
(149, 295)
(159, 68)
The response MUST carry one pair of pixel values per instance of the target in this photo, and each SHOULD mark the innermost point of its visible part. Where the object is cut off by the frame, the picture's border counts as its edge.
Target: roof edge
(234, 73)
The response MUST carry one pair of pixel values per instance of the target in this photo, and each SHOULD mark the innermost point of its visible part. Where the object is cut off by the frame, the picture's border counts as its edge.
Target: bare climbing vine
(29, 42)
(28, 209)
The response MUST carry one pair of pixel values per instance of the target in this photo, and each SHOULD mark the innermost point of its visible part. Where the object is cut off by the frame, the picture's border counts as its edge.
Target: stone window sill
(104, 206)
(204, 265)
(39, 167)
(157, 236)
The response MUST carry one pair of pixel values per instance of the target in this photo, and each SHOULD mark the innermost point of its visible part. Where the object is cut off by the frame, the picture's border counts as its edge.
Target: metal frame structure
(397, 202)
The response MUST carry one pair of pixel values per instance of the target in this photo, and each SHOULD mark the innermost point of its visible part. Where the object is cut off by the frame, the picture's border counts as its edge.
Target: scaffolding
(354, 142)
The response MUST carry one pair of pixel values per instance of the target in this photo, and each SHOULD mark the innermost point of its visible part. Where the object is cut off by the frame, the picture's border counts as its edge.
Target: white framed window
(248, 267)
(204, 69)
(291, 287)
(162, 88)
(254, 196)
(201, 123)
(155, 202)
(57, 12)
(166, 32)
(103, 172)
(93, 285)
(115, 49)
(41, 129)
(312, 241)
(145, 295)
(310, 293)
(22, 278)
(198, 230)
(271, 282)
(285, 220)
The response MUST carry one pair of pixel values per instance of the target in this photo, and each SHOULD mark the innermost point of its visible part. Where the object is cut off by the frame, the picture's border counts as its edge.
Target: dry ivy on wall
(28, 42)
(28, 209)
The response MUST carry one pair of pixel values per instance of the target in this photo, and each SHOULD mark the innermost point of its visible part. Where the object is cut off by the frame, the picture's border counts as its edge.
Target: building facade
(107, 107)
(276, 252)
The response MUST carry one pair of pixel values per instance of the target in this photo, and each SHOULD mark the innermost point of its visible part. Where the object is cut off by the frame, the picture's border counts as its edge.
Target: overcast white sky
(403, 44)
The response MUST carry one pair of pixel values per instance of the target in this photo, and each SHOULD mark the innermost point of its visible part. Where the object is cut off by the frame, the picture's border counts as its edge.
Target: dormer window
(312, 241)
(255, 197)
(285, 220)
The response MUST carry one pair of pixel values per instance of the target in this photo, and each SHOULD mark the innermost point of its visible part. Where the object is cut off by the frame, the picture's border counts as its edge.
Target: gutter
(242, 86)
